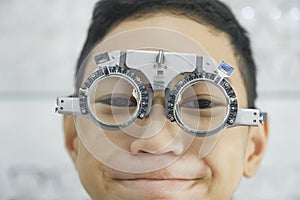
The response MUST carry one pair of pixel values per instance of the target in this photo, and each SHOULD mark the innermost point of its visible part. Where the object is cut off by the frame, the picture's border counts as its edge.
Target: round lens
(201, 107)
(114, 101)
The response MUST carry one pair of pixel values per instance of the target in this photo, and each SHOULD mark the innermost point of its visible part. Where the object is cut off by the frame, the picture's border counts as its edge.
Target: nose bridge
(157, 116)
(158, 98)
(164, 135)
(157, 109)
(154, 124)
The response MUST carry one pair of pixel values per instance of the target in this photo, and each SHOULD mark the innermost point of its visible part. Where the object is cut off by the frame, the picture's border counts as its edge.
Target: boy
(160, 157)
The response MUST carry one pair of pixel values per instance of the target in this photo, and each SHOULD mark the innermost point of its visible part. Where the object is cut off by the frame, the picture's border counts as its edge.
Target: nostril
(175, 147)
(139, 152)
(137, 147)
(157, 145)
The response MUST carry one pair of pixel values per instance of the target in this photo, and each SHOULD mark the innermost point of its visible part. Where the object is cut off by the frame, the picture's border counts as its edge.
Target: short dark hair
(108, 13)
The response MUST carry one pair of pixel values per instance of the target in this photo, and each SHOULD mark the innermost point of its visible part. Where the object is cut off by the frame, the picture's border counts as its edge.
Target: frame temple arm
(67, 106)
(249, 117)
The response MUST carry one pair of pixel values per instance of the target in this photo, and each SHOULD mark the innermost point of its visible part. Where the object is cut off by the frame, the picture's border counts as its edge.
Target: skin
(238, 152)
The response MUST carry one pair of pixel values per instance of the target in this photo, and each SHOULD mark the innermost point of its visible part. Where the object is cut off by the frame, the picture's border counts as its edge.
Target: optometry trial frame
(198, 95)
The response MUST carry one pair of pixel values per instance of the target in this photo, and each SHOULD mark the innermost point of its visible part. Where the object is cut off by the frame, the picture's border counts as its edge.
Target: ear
(256, 145)
(71, 140)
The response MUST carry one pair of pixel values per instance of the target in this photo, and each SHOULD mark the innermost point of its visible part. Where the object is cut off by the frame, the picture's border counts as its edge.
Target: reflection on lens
(114, 101)
(202, 106)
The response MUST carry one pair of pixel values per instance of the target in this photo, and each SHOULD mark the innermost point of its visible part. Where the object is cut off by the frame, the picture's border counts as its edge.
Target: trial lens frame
(160, 68)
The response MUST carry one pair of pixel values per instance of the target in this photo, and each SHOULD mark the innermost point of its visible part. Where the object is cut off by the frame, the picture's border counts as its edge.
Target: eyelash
(198, 104)
(118, 101)
(125, 101)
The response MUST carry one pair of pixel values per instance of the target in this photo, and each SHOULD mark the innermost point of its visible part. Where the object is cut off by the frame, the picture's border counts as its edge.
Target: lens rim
(187, 81)
(104, 73)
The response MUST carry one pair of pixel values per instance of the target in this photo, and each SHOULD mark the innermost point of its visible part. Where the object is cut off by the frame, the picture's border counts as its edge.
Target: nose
(166, 137)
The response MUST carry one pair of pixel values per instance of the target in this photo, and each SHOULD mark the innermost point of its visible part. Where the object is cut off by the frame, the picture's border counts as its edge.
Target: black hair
(108, 13)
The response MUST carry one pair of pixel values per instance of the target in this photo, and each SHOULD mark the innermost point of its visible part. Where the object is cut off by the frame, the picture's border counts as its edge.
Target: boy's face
(237, 152)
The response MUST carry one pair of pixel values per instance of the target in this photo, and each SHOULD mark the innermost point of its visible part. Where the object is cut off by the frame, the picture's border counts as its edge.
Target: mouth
(159, 179)
(168, 183)
(167, 186)
(173, 173)
(164, 175)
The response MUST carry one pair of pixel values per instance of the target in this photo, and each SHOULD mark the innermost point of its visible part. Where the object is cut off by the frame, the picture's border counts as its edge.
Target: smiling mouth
(158, 179)
(164, 176)
(159, 185)
(179, 175)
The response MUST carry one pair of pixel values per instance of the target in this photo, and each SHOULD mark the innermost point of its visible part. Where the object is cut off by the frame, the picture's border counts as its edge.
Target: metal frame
(160, 68)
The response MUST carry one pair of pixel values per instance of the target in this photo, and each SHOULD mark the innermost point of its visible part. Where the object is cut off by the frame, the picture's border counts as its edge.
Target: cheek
(90, 173)
(227, 158)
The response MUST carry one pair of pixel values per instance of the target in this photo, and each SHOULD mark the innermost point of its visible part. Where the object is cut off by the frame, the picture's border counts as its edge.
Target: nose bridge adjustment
(160, 59)
(159, 75)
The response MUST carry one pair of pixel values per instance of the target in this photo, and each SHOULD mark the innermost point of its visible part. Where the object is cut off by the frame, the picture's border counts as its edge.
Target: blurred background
(39, 45)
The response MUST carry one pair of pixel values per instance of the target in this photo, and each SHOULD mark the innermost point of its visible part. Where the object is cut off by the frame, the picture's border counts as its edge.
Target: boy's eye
(199, 104)
(118, 101)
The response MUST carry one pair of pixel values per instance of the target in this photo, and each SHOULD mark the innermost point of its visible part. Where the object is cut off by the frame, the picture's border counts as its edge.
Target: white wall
(39, 44)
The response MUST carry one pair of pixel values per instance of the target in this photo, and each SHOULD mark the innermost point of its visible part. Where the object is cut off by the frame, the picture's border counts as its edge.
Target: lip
(174, 173)
(155, 188)
(168, 187)
(162, 175)
(157, 179)
(179, 179)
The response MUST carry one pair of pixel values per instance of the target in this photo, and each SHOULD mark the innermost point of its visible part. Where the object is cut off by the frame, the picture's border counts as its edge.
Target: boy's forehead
(215, 43)
(175, 34)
